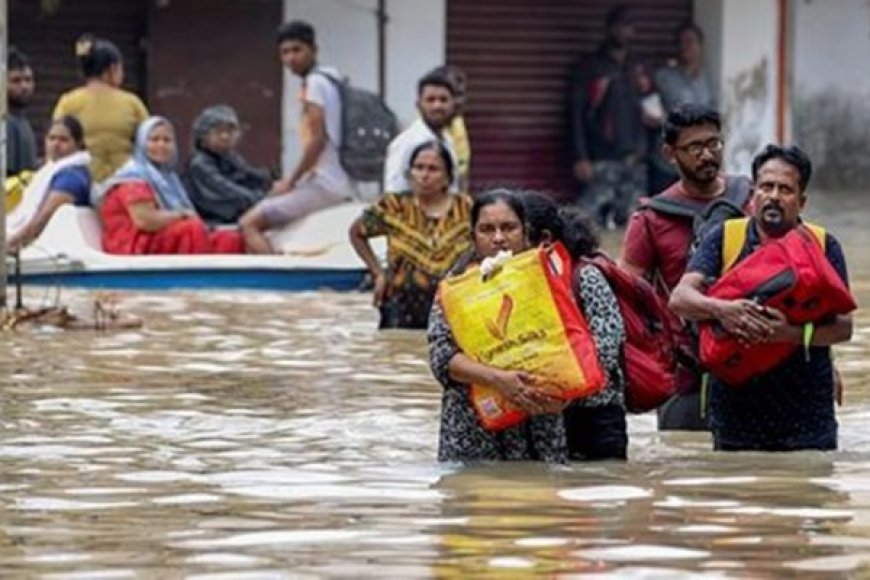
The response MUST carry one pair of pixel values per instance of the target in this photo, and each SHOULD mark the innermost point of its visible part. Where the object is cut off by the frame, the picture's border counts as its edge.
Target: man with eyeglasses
(662, 233)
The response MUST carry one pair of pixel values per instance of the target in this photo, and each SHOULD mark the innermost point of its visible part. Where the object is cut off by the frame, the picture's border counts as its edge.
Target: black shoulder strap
(738, 189)
(672, 207)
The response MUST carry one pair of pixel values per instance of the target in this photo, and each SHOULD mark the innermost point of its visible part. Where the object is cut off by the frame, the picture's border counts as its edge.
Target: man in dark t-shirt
(20, 141)
(790, 407)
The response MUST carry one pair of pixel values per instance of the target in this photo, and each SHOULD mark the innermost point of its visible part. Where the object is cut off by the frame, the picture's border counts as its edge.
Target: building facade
(778, 74)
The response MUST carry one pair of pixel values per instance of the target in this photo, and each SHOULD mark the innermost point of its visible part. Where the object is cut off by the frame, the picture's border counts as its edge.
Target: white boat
(316, 254)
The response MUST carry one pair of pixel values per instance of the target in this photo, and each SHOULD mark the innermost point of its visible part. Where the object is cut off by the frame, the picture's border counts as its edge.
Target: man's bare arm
(314, 121)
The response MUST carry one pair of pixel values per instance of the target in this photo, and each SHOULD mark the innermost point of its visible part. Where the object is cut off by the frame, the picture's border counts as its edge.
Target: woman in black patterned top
(543, 436)
(595, 425)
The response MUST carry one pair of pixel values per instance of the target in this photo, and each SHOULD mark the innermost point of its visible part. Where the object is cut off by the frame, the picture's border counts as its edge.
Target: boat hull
(316, 254)
(203, 279)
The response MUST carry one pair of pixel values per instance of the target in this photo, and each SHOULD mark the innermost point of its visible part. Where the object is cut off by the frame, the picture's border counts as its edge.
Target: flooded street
(266, 435)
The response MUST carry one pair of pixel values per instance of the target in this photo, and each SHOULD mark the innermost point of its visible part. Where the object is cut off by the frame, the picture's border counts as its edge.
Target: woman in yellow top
(427, 230)
(108, 114)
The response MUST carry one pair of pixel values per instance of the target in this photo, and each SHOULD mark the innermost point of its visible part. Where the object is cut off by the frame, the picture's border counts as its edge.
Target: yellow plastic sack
(15, 186)
(523, 318)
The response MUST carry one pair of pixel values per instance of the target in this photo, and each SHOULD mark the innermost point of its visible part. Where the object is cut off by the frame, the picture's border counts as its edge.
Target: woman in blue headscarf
(145, 208)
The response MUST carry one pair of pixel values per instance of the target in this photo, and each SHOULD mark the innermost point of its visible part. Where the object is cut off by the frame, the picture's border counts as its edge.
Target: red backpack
(650, 342)
(790, 274)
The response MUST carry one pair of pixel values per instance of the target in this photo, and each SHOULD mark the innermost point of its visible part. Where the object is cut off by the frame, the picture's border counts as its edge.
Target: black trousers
(682, 412)
(596, 433)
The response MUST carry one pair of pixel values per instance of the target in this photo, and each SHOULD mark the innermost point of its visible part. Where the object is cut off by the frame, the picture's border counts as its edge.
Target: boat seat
(90, 227)
(77, 232)
(71, 229)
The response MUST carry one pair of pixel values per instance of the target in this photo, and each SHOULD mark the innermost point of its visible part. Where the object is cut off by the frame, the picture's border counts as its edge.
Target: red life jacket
(650, 342)
(790, 274)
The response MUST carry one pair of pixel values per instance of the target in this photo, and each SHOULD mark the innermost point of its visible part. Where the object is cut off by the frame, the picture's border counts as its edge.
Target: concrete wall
(708, 15)
(347, 37)
(831, 89)
(828, 93)
(741, 49)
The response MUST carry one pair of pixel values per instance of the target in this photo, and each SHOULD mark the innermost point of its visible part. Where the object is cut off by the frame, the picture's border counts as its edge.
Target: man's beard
(703, 175)
(772, 218)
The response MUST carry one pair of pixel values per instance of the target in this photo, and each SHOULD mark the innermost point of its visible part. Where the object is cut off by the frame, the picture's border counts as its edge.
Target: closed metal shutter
(219, 51)
(518, 55)
(48, 38)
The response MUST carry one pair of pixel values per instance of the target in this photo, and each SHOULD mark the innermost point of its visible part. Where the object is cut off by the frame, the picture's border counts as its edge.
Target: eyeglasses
(696, 148)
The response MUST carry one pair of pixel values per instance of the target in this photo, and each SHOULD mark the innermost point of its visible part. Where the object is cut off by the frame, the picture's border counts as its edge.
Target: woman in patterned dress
(504, 220)
(427, 229)
(595, 425)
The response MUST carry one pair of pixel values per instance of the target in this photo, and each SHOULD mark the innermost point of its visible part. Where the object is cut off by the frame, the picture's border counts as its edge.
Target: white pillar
(4, 40)
(347, 37)
(742, 38)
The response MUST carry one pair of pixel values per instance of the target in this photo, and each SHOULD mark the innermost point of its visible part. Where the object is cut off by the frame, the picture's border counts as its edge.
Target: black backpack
(706, 217)
(367, 127)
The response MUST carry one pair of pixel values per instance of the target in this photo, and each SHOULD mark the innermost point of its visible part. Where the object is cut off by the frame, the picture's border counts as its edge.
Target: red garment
(183, 236)
(658, 245)
(655, 242)
(791, 274)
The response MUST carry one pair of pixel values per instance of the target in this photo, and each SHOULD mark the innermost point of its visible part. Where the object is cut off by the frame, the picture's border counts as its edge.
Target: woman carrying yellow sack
(498, 225)
(591, 427)
(595, 425)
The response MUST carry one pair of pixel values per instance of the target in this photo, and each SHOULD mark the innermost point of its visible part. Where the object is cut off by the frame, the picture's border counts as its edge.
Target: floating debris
(106, 315)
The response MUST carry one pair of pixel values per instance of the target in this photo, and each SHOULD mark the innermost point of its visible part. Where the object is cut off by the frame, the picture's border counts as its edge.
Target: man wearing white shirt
(318, 181)
(436, 103)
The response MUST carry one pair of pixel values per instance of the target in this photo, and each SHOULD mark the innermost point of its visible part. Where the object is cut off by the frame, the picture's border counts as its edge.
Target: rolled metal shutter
(518, 55)
(48, 39)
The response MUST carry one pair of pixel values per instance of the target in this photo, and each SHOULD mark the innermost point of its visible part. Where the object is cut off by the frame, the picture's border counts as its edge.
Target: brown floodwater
(267, 435)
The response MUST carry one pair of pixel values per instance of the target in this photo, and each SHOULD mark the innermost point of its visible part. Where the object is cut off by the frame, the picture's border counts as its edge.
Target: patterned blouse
(542, 437)
(420, 250)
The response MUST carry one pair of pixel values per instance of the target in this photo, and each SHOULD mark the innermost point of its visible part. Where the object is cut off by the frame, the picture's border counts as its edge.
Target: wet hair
(500, 195)
(435, 79)
(296, 30)
(688, 115)
(16, 60)
(542, 218)
(442, 152)
(581, 237)
(76, 131)
(792, 155)
(688, 26)
(96, 55)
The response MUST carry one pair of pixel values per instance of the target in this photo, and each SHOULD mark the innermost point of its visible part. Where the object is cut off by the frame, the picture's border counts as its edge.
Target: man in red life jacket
(792, 406)
(661, 234)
